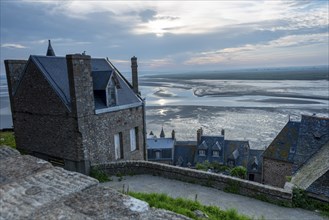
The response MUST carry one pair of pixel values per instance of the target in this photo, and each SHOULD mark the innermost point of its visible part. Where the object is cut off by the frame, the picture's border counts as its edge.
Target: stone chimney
(199, 133)
(173, 135)
(134, 74)
(222, 132)
(81, 84)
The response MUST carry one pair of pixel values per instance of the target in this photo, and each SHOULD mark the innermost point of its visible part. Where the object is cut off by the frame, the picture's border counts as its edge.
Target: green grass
(187, 207)
(99, 175)
(7, 138)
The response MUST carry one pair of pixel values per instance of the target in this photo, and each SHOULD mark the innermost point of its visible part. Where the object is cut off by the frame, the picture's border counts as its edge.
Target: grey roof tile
(284, 145)
(313, 135)
(55, 70)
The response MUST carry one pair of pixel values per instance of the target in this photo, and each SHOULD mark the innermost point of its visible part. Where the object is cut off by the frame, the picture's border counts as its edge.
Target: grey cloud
(147, 15)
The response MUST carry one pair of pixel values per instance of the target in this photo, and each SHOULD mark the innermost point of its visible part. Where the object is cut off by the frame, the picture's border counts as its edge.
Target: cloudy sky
(170, 35)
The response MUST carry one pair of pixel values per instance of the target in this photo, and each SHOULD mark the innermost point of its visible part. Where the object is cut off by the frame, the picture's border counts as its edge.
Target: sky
(171, 35)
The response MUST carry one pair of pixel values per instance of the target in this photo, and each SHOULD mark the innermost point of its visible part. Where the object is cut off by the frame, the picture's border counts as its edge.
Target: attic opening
(105, 85)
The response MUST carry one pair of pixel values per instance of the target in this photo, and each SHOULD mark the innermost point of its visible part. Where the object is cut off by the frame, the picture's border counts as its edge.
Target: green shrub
(239, 171)
(7, 138)
(98, 174)
(187, 207)
(301, 200)
(201, 166)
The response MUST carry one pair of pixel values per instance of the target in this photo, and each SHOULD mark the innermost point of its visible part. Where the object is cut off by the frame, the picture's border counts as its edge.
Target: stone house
(230, 153)
(76, 111)
(295, 145)
(161, 149)
(254, 167)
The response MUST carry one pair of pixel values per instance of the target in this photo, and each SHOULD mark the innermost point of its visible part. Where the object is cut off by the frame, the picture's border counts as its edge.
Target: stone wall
(101, 129)
(217, 181)
(42, 122)
(34, 189)
(98, 130)
(275, 172)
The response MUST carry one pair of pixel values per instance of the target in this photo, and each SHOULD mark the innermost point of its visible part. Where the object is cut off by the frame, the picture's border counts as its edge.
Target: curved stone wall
(217, 181)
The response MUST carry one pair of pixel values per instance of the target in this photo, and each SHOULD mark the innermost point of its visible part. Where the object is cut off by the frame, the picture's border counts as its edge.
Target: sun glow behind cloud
(182, 34)
(194, 17)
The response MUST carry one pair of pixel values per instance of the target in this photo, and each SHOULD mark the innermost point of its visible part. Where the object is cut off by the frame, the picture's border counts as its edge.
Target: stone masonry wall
(275, 172)
(217, 181)
(42, 122)
(98, 130)
(101, 129)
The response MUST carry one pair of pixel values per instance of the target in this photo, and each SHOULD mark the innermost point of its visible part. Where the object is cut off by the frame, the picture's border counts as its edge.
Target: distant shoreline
(307, 73)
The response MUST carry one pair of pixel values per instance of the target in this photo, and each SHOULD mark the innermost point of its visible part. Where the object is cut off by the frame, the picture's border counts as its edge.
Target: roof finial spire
(162, 134)
(50, 51)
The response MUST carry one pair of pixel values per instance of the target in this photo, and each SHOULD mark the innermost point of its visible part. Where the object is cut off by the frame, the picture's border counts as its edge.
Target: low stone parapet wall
(217, 181)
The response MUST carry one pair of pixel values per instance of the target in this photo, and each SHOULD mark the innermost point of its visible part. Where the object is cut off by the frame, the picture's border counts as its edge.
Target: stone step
(21, 198)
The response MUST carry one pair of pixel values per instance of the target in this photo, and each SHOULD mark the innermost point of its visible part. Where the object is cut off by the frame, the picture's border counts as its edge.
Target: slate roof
(284, 145)
(55, 71)
(320, 186)
(160, 143)
(231, 149)
(209, 144)
(313, 135)
(101, 79)
(255, 161)
(184, 152)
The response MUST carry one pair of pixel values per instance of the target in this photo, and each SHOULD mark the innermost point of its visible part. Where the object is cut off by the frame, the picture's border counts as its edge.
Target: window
(118, 146)
(137, 138)
(215, 153)
(157, 154)
(133, 145)
(111, 94)
(202, 152)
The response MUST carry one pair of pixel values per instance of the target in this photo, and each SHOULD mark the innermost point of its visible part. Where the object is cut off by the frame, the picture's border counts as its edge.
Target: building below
(212, 149)
(300, 152)
(160, 149)
(75, 111)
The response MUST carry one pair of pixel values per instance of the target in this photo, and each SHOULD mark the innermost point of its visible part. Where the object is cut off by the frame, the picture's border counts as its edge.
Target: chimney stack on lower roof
(134, 74)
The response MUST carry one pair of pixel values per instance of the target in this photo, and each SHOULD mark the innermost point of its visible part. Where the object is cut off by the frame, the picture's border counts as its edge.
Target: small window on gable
(202, 152)
(215, 153)
(111, 94)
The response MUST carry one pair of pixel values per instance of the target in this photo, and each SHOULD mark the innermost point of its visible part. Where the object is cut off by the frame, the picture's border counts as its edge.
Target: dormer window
(111, 94)
(202, 152)
(106, 85)
(215, 153)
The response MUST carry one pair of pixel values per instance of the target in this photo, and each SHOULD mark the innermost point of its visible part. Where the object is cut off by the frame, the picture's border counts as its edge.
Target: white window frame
(215, 153)
(117, 146)
(133, 145)
(202, 152)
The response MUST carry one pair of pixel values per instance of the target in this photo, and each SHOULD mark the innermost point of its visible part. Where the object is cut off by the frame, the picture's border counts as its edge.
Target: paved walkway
(209, 196)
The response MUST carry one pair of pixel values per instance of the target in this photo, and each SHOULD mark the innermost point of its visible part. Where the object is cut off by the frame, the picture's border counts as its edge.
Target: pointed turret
(162, 134)
(50, 51)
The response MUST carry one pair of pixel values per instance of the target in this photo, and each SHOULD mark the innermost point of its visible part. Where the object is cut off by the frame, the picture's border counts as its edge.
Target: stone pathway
(209, 196)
